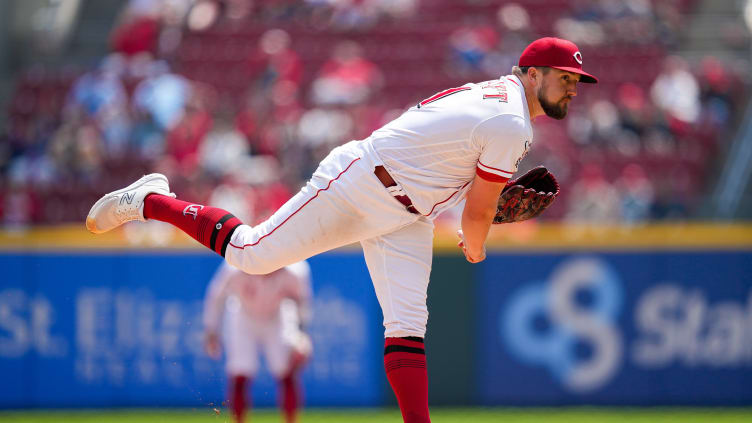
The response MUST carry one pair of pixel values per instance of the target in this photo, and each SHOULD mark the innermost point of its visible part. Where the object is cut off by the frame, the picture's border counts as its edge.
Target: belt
(389, 182)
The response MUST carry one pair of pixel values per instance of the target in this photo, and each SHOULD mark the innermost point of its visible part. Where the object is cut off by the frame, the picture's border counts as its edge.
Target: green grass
(438, 415)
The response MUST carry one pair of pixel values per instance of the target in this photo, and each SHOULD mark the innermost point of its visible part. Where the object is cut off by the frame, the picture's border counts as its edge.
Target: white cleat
(125, 205)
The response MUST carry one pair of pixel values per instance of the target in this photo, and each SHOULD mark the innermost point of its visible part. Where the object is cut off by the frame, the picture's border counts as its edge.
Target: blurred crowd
(238, 100)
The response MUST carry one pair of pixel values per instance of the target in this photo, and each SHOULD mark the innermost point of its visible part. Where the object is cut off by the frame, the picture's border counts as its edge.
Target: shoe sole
(91, 224)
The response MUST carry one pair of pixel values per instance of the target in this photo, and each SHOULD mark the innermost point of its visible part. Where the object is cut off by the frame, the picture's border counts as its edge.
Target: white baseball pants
(344, 202)
(245, 338)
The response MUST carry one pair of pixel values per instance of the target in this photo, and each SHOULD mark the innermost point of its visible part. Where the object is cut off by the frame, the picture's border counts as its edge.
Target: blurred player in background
(260, 314)
(254, 315)
(463, 143)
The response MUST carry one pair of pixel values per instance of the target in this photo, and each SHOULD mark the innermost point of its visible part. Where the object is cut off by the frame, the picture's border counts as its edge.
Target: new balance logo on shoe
(127, 197)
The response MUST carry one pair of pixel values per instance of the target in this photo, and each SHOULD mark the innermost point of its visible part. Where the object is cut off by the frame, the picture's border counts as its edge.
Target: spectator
(162, 95)
(75, 150)
(202, 15)
(597, 22)
(347, 78)
(605, 120)
(716, 92)
(147, 137)
(268, 122)
(593, 199)
(671, 199)
(636, 194)
(676, 92)
(247, 123)
(275, 194)
(320, 130)
(138, 29)
(236, 195)
(101, 96)
(362, 14)
(396, 9)
(275, 61)
(20, 206)
(353, 14)
(173, 17)
(515, 34)
(254, 195)
(184, 139)
(469, 45)
(222, 147)
(635, 110)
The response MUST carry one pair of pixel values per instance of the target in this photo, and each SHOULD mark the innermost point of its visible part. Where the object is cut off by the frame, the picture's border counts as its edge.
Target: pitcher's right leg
(343, 203)
(319, 218)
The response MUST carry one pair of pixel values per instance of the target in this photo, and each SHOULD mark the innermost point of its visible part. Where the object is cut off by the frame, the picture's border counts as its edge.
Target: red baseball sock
(238, 397)
(405, 364)
(290, 398)
(210, 226)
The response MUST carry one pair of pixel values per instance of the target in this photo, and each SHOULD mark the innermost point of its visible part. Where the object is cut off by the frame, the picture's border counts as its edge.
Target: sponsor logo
(127, 197)
(568, 324)
(680, 325)
(192, 210)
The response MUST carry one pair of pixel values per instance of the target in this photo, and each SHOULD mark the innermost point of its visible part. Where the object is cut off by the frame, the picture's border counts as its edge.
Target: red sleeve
(492, 177)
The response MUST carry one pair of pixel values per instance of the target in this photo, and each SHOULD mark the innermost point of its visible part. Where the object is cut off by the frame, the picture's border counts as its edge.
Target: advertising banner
(642, 328)
(121, 329)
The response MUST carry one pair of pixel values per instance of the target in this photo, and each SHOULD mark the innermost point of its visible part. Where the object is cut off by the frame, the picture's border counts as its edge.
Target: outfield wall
(113, 329)
(668, 327)
(593, 321)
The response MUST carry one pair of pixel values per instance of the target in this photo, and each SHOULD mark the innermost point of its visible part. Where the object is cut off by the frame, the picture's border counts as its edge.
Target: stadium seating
(414, 56)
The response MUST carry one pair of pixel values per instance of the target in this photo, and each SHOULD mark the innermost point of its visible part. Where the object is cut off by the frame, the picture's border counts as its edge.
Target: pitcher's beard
(553, 110)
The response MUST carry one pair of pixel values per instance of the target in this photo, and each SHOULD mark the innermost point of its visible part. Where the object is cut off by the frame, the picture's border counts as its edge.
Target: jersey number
(442, 94)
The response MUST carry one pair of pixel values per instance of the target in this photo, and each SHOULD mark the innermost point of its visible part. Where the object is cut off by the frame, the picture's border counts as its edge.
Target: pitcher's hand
(472, 258)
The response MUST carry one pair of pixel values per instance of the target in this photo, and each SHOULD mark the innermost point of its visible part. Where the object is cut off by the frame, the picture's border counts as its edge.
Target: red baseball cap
(558, 54)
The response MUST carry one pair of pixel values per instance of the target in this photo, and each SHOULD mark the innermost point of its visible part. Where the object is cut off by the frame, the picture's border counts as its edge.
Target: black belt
(388, 181)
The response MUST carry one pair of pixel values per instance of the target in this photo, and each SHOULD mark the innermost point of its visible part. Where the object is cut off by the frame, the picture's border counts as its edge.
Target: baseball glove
(527, 196)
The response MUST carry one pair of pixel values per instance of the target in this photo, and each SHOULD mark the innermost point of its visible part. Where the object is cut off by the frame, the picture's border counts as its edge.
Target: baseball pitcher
(385, 191)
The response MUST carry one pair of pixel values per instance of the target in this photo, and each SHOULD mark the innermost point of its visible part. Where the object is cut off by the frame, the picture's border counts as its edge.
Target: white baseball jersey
(436, 147)
(433, 151)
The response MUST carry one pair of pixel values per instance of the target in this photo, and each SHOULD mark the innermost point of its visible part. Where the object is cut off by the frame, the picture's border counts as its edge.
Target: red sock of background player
(238, 397)
(290, 398)
(210, 226)
(405, 365)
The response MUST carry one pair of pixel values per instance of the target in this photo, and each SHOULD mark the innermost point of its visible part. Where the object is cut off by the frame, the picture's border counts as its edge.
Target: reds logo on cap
(556, 53)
